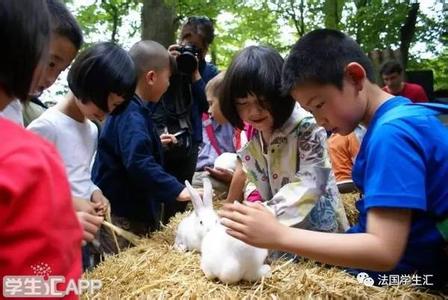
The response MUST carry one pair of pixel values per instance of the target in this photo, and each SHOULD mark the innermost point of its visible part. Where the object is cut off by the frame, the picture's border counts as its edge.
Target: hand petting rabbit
(222, 256)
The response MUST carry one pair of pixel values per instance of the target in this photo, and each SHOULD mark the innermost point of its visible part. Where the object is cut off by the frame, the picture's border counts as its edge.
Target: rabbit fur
(222, 256)
(192, 229)
(227, 161)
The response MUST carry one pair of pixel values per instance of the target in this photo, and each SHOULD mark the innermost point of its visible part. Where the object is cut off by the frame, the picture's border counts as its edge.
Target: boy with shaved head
(129, 163)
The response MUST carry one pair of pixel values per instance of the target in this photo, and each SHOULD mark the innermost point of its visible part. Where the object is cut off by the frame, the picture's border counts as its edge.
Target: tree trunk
(360, 4)
(333, 12)
(407, 32)
(159, 22)
(115, 22)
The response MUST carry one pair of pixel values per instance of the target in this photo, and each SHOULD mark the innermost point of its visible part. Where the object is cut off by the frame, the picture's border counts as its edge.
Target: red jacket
(39, 231)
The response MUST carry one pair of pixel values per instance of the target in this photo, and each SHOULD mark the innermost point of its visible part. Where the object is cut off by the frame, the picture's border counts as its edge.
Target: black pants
(182, 168)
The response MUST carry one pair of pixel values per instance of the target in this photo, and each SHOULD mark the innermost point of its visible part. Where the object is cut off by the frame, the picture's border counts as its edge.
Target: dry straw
(154, 270)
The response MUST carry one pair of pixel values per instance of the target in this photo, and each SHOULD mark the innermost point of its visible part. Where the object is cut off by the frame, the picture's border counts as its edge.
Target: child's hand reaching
(220, 174)
(100, 203)
(84, 205)
(90, 225)
(252, 223)
(185, 195)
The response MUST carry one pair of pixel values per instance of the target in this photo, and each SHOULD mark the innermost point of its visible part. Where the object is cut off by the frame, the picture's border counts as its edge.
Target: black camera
(186, 61)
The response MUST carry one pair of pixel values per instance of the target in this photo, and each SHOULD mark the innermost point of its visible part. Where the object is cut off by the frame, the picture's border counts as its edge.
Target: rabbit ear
(195, 197)
(208, 192)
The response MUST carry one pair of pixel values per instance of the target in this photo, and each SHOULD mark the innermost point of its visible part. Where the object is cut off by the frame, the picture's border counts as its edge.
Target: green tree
(106, 13)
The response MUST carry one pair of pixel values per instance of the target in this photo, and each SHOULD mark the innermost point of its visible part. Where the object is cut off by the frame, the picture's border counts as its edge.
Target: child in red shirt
(38, 226)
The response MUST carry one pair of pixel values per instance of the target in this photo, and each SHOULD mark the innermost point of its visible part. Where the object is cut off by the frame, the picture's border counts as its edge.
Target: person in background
(343, 150)
(217, 138)
(196, 34)
(392, 74)
(38, 224)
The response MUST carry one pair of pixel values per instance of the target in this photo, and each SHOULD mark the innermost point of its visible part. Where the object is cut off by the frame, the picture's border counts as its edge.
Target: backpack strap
(442, 108)
(208, 126)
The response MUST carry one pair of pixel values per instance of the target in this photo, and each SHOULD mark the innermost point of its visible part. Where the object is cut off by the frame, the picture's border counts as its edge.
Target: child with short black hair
(65, 42)
(286, 159)
(100, 79)
(37, 221)
(401, 168)
(128, 165)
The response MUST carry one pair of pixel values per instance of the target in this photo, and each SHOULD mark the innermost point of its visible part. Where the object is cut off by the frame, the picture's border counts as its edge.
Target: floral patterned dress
(293, 175)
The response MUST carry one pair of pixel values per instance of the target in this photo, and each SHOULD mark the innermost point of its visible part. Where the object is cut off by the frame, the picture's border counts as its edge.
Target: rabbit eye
(200, 222)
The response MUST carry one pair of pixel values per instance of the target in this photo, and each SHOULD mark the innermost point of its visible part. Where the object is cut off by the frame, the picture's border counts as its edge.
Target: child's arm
(379, 249)
(136, 146)
(237, 184)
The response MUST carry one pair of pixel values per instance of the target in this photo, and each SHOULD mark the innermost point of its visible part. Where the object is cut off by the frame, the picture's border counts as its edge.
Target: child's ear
(355, 73)
(150, 77)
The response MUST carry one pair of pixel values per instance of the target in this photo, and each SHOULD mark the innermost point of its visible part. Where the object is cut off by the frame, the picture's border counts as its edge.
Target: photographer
(180, 109)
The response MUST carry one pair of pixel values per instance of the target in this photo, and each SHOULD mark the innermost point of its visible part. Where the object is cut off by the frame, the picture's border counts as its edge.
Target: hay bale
(349, 201)
(155, 270)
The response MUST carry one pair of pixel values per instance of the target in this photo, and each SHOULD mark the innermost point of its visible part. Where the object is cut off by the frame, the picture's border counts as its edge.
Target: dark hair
(391, 66)
(25, 35)
(201, 26)
(100, 70)
(63, 23)
(321, 57)
(255, 70)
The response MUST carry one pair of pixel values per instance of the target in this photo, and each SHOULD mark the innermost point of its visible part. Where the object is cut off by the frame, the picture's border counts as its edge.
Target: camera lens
(186, 62)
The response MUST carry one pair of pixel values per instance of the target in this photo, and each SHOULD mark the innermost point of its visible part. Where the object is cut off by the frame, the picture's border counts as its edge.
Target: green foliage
(374, 23)
(242, 26)
(105, 17)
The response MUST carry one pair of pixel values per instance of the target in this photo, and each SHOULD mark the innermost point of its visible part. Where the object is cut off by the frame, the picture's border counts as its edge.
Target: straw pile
(349, 201)
(154, 270)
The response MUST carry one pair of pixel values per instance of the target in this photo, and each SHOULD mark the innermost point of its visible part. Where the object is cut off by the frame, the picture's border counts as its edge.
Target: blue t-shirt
(403, 163)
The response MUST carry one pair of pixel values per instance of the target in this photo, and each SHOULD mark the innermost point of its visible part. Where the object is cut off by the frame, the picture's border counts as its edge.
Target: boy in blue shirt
(401, 169)
(129, 163)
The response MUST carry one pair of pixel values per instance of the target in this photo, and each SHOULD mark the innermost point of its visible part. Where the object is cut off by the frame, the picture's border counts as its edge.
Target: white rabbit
(231, 260)
(226, 161)
(193, 228)
(223, 256)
